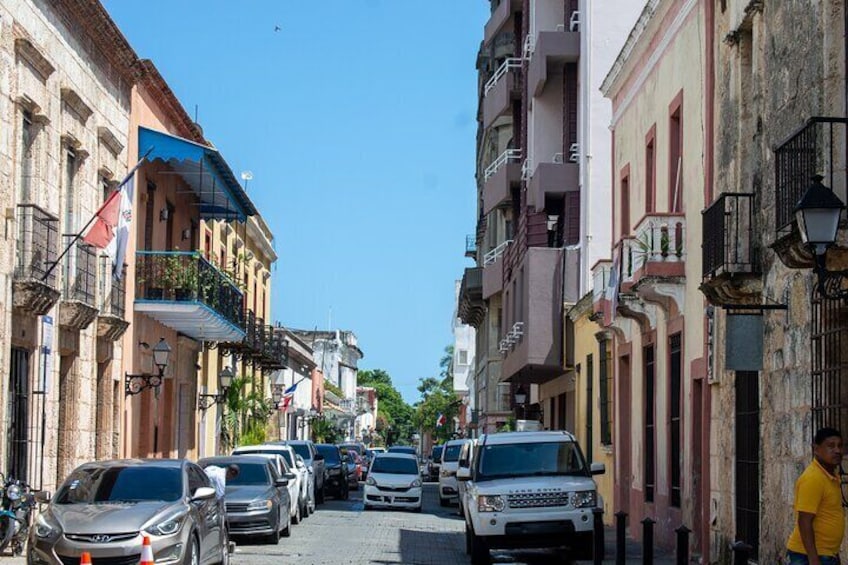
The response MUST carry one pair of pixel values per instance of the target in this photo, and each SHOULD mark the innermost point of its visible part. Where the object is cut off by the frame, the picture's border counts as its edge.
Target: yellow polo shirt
(818, 492)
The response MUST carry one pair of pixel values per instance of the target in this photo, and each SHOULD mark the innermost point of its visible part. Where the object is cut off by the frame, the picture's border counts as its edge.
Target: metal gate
(18, 410)
(748, 459)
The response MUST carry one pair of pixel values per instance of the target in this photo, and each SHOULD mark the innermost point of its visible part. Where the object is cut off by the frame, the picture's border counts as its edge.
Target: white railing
(526, 169)
(495, 253)
(504, 158)
(529, 46)
(510, 63)
(574, 152)
(661, 238)
(600, 280)
(574, 21)
(513, 336)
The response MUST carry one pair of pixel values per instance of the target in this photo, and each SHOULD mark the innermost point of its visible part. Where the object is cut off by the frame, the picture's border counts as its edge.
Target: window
(676, 368)
(572, 218)
(590, 403)
(650, 423)
(625, 205)
(650, 172)
(748, 459)
(68, 186)
(605, 383)
(27, 158)
(675, 155)
(149, 207)
(462, 357)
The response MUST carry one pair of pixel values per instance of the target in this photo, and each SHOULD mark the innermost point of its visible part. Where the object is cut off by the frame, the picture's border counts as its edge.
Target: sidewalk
(633, 551)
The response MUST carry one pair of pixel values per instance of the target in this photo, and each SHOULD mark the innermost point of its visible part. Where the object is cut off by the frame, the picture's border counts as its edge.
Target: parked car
(354, 468)
(408, 449)
(466, 460)
(435, 463)
(448, 487)
(394, 481)
(257, 500)
(522, 487)
(314, 464)
(105, 508)
(295, 503)
(337, 481)
(305, 485)
(357, 446)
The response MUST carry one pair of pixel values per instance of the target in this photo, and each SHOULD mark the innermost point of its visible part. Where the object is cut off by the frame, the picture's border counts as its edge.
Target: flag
(286, 401)
(440, 421)
(111, 228)
(292, 388)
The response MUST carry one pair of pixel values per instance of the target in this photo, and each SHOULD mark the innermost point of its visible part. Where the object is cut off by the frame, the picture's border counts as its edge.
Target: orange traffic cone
(146, 552)
(85, 558)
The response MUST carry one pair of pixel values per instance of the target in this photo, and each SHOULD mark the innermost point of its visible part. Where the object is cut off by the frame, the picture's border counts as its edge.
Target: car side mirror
(281, 482)
(319, 457)
(203, 493)
(290, 476)
(598, 468)
(43, 496)
(463, 474)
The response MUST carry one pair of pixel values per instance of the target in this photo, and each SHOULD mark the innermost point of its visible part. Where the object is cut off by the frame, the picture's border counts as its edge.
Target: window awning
(203, 169)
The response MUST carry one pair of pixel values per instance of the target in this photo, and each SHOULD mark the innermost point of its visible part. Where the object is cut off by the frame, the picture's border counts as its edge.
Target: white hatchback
(394, 481)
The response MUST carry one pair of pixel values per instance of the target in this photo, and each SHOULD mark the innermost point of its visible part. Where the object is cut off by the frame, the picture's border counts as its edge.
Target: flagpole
(91, 221)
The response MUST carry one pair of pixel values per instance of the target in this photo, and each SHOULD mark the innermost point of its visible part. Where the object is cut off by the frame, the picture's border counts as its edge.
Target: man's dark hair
(232, 471)
(825, 433)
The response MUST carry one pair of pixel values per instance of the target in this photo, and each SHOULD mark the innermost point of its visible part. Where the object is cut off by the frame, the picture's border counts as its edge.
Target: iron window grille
(728, 236)
(36, 250)
(112, 290)
(606, 397)
(748, 459)
(80, 273)
(650, 423)
(829, 363)
(675, 378)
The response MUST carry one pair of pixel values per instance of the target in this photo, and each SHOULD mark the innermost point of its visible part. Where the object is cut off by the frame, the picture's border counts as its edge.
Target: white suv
(528, 490)
(448, 487)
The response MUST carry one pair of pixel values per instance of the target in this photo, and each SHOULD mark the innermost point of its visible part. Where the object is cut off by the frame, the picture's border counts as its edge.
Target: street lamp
(817, 214)
(134, 384)
(225, 379)
(520, 398)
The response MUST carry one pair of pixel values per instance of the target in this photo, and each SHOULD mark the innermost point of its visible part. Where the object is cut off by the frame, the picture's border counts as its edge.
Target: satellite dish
(246, 175)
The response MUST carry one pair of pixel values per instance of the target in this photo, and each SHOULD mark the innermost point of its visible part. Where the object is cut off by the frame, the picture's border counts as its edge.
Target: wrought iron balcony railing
(728, 236)
(79, 272)
(188, 277)
(37, 245)
(813, 149)
(112, 296)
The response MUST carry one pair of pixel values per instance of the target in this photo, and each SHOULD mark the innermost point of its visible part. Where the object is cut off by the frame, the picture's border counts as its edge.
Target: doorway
(18, 410)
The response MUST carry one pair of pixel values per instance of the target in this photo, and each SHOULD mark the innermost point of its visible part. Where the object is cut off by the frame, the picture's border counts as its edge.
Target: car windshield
(330, 453)
(301, 449)
(287, 455)
(529, 459)
(402, 449)
(395, 465)
(250, 474)
(451, 453)
(352, 447)
(436, 456)
(134, 483)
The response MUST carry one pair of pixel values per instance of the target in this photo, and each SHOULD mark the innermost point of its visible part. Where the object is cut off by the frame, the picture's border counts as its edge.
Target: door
(625, 476)
(207, 514)
(747, 500)
(18, 410)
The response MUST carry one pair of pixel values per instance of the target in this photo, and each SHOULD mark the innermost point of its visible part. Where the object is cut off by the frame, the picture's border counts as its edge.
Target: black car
(257, 500)
(336, 483)
(435, 464)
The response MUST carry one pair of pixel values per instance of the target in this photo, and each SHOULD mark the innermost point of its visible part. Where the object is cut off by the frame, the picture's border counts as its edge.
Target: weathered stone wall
(777, 64)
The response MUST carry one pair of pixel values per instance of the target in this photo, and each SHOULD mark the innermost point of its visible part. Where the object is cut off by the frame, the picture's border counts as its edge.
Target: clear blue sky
(357, 120)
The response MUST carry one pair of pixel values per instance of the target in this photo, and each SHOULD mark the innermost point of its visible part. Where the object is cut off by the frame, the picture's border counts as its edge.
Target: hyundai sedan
(106, 508)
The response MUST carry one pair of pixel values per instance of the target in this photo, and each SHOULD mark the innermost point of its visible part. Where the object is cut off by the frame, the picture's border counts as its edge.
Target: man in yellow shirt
(818, 532)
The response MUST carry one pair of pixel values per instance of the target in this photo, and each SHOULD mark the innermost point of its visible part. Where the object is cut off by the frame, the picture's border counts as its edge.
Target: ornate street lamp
(818, 213)
(134, 384)
(520, 398)
(225, 379)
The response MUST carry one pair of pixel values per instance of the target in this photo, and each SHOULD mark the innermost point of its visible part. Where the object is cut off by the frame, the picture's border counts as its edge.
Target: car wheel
(417, 510)
(319, 495)
(367, 507)
(479, 551)
(287, 529)
(443, 501)
(225, 548)
(193, 555)
(296, 518)
(467, 540)
(346, 493)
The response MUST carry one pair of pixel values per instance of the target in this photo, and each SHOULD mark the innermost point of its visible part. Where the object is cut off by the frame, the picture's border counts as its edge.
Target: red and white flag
(286, 401)
(441, 421)
(111, 228)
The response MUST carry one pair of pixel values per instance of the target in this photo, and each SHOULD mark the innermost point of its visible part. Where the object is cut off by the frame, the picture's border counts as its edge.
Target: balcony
(493, 270)
(111, 317)
(471, 246)
(731, 268)
(187, 293)
(500, 16)
(500, 91)
(77, 308)
(532, 343)
(250, 345)
(33, 289)
(274, 354)
(550, 51)
(816, 148)
(601, 291)
(550, 181)
(472, 309)
(499, 178)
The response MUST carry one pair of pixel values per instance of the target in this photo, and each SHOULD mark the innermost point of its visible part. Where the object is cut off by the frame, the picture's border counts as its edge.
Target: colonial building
(294, 416)
(65, 98)
(462, 367)
(779, 325)
(654, 313)
(182, 301)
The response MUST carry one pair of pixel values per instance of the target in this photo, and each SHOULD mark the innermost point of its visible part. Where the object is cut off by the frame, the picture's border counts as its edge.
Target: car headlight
(259, 505)
(13, 492)
(584, 499)
(44, 528)
(168, 527)
(415, 483)
(371, 481)
(491, 503)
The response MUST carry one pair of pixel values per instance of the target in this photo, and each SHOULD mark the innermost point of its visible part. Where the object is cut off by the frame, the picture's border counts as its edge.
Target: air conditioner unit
(574, 22)
(574, 152)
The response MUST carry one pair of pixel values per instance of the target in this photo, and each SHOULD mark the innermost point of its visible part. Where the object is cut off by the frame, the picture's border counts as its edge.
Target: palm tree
(245, 411)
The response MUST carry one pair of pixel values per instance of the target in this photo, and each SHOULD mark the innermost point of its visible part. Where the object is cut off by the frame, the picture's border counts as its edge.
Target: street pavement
(341, 532)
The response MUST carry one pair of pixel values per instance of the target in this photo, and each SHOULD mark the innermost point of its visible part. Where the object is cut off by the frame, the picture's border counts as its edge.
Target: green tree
(398, 425)
(246, 414)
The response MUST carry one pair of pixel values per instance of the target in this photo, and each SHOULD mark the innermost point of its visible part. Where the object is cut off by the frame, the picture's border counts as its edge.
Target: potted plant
(185, 278)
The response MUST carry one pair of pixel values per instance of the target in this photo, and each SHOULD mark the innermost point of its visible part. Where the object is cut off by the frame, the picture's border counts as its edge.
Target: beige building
(662, 423)
(65, 81)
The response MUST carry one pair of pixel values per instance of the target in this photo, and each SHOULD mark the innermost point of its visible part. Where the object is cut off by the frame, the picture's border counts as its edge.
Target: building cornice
(626, 50)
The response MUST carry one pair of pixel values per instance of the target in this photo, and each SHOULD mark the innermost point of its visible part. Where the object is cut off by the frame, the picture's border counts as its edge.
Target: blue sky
(357, 120)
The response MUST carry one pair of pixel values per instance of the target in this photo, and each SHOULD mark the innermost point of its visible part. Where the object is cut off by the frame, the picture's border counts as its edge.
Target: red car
(354, 468)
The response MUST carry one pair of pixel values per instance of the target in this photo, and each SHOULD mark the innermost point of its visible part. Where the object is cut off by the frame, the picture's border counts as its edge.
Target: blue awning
(203, 169)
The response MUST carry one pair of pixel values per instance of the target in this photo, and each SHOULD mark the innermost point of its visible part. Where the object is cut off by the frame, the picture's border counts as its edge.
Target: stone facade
(64, 111)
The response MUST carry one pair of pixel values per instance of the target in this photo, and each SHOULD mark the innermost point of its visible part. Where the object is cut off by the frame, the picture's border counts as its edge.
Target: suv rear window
(451, 453)
(530, 459)
(436, 456)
